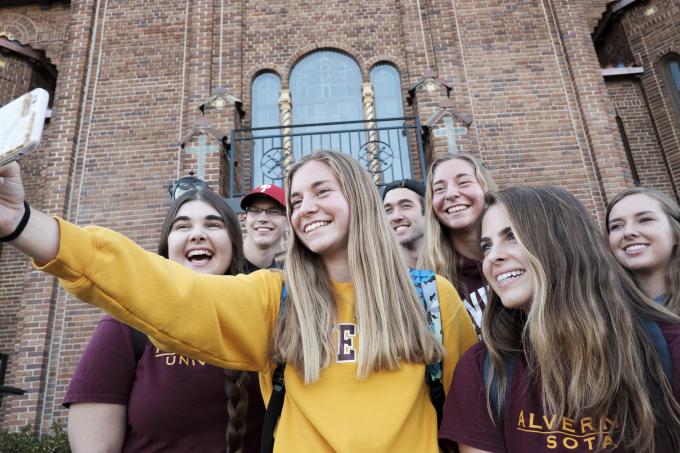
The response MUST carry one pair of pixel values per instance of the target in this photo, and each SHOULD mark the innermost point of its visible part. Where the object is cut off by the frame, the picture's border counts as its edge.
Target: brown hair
(236, 382)
(587, 313)
(672, 211)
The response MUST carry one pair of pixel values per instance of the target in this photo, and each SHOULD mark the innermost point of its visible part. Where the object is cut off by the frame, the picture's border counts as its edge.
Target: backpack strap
(652, 328)
(139, 341)
(497, 405)
(661, 346)
(426, 287)
(275, 406)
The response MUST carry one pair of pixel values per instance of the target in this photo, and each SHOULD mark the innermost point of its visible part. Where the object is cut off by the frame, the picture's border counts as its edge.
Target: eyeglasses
(269, 212)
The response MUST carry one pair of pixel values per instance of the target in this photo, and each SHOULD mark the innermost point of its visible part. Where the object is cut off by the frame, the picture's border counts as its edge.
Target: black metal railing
(6, 389)
(384, 146)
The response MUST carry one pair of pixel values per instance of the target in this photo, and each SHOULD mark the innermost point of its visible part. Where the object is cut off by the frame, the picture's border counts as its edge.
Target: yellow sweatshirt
(228, 321)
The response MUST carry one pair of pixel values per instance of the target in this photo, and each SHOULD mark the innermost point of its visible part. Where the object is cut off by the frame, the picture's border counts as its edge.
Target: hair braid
(235, 385)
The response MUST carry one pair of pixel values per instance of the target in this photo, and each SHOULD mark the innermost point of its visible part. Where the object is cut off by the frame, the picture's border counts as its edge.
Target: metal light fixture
(431, 86)
(177, 188)
(429, 83)
(219, 99)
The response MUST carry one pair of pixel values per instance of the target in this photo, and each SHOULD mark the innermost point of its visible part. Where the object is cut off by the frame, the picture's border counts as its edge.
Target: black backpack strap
(661, 346)
(437, 396)
(139, 340)
(494, 393)
(275, 406)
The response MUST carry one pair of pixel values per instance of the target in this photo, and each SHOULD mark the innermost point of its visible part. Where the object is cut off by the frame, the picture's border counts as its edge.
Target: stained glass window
(266, 90)
(389, 104)
(326, 87)
(673, 76)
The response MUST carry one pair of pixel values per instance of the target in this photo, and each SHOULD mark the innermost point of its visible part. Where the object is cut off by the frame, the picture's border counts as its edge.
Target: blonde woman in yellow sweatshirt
(353, 332)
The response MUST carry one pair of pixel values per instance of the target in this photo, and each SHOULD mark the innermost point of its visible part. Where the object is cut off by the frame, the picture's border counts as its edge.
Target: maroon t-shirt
(174, 404)
(526, 428)
(472, 289)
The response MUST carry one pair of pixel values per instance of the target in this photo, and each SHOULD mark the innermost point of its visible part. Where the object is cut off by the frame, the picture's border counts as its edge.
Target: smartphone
(21, 125)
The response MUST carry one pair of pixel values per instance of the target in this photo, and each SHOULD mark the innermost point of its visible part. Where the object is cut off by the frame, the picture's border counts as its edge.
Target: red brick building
(576, 93)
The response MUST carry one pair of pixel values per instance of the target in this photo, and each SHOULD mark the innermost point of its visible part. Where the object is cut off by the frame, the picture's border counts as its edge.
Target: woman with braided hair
(354, 334)
(127, 395)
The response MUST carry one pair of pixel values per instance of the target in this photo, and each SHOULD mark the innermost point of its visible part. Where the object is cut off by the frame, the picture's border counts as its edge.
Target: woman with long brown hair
(126, 395)
(456, 185)
(575, 357)
(353, 330)
(643, 228)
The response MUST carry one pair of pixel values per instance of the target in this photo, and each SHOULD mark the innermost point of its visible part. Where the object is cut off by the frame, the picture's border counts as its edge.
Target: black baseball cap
(410, 184)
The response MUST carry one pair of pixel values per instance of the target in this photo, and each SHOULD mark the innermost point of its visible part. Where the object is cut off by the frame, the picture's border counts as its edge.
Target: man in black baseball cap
(404, 203)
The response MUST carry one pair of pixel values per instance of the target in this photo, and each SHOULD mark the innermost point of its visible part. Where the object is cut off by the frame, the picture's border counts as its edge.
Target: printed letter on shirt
(346, 351)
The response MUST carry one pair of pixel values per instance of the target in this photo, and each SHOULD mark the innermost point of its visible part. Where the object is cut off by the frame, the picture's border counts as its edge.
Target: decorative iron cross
(202, 149)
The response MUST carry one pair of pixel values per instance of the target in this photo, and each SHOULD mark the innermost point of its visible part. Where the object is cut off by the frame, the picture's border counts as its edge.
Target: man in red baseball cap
(265, 222)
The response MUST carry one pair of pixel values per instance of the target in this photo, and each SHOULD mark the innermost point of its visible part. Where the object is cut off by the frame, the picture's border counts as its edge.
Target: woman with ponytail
(353, 331)
(456, 185)
(575, 357)
(126, 395)
(643, 228)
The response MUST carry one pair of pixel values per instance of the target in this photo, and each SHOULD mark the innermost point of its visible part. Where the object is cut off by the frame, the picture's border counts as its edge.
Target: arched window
(325, 87)
(672, 69)
(266, 90)
(389, 104)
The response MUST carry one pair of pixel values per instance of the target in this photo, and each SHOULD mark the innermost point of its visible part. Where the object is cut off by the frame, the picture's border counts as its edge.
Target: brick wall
(23, 335)
(649, 161)
(131, 79)
(651, 37)
(15, 77)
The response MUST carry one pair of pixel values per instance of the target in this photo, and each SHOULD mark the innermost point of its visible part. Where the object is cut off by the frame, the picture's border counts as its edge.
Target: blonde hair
(438, 253)
(583, 336)
(390, 317)
(672, 211)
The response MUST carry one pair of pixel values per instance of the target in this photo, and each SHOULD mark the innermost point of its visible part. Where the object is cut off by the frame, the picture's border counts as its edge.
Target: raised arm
(40, 237)
(224, 320)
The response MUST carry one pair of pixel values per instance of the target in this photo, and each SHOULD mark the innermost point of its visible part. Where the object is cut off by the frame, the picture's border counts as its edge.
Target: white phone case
(21, 125)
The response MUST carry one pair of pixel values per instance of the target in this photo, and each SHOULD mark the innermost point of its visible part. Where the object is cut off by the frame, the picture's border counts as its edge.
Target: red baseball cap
(265, 190)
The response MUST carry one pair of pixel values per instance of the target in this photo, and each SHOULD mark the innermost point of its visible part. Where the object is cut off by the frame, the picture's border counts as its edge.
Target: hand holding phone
(21, 125)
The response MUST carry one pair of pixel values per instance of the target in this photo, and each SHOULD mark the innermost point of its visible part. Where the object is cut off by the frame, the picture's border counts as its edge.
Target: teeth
(313, 226)
(400, 228)
(199, 254)
(508, 275)
(457, 208)
(635, 248)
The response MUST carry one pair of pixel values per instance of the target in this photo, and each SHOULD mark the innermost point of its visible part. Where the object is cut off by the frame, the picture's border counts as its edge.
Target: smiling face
(640, 235)
(404, 211)
(506, 266)
(457, 196)
(320, 212)
(265, 229)
(199, 240)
